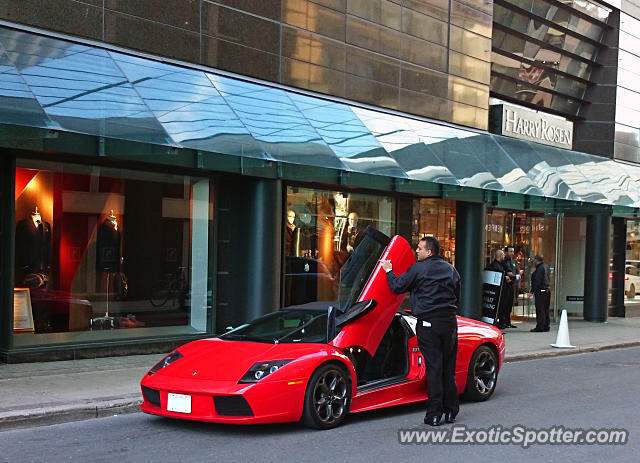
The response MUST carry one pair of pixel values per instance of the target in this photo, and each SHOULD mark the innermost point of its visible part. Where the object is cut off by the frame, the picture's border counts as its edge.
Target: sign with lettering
(491, 294)
(514, 121)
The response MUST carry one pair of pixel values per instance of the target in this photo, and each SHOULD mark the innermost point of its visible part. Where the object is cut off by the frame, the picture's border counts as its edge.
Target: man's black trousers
(506, 304)
(542, 301)
(439, 346)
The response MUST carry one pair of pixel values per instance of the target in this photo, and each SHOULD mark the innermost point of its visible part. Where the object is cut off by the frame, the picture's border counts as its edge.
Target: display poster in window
(22, 311)
(491, 295)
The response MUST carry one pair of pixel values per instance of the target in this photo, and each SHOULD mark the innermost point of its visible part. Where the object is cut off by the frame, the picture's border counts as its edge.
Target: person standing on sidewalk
(541, 293)
(510, 271)
(498, 266)
(435, 291)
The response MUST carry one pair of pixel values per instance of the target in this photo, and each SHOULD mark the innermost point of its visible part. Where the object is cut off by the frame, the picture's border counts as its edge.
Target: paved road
(592, 390)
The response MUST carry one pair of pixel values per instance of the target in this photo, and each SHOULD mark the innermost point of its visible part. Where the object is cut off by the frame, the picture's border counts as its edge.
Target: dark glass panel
(381, 12)
(314, 18)
(372, 66)
(304, 46)
(482, 5)
(240, 28)
(468, 92)
(470, 44)
(267, 8)
(471, 19)
(369, 91)
(312, 77)
(179, 13)
(469, 115)
(470, 68)
(151, 37)
(538, 97)
(424, 80)
(339, 5)
(535, 52)
(424, 53)
(376, 38)
(58, 15)
(424, 105)
(424, 27)
(237, 58)
(435, 8)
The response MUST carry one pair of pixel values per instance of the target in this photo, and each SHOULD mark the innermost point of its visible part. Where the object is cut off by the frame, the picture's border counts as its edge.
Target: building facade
(171, 169)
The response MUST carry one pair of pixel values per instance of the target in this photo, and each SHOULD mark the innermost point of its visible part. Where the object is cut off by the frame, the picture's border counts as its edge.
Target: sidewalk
(53, 392)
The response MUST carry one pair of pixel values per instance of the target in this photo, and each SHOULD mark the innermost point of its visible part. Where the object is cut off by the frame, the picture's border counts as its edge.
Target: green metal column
(7, 217)
(617, 309)
(249, 249)
(265, 247)
(470, 232)
(596, 271)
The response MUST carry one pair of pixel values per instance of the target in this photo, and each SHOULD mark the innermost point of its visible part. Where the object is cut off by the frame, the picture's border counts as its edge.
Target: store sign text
(537, 127)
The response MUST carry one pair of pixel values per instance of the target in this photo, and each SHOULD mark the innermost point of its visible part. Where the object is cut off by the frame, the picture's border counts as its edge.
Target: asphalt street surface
(591, 390)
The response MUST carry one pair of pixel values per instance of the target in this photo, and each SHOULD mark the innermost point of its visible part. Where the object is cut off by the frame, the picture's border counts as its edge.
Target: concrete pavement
(35, 394)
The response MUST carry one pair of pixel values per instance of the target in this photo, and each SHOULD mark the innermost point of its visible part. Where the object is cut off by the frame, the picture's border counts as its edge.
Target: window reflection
(322, 229)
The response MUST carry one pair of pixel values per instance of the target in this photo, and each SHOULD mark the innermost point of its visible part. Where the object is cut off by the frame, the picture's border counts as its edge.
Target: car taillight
(626, 277)
(611, 276)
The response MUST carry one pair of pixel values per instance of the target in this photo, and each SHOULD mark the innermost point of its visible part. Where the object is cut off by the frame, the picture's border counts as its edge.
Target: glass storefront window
(436, 217)
(105, 253)
(322, 229)
(529, 234)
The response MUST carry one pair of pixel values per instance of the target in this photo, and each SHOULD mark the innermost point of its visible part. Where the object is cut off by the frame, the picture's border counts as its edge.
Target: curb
(20, 419)
(563, 352)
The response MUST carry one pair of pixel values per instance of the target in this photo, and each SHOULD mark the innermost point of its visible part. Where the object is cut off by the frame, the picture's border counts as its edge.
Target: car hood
(226, 360)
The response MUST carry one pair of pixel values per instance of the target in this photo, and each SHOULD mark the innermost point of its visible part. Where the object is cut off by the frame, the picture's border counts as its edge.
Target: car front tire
(482, 374)
(328, 397)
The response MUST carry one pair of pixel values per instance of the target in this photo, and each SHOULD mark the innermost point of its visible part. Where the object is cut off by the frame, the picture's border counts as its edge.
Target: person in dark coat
(541, 293)
(434, 286)
(510, 271)
(498, 266)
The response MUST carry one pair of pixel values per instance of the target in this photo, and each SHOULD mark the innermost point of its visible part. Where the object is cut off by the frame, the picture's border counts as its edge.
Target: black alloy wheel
(482, 375)
(328, 397)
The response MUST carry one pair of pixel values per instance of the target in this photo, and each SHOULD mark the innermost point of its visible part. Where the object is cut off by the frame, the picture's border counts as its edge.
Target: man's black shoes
(433, 420)
(449, 417)
(536, 330)
(511, 325)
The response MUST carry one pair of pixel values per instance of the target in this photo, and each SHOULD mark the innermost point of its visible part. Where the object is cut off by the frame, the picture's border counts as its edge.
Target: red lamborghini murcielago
(319, 361)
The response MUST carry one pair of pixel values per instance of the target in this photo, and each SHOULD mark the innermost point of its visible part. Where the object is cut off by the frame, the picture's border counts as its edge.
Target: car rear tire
(328, 397)
(482, 374)
(632, 292)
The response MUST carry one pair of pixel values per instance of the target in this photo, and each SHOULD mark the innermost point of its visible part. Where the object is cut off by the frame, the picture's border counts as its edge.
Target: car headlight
(167, 360)
(260, 370)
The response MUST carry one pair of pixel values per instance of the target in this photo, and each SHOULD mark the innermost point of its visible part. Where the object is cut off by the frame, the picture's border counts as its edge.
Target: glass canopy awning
(56, 84)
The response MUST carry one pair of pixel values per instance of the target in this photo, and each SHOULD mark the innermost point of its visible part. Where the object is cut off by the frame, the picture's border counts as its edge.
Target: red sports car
(319, 361)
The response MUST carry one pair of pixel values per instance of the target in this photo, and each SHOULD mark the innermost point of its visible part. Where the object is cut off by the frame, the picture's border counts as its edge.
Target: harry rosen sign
(537, 127)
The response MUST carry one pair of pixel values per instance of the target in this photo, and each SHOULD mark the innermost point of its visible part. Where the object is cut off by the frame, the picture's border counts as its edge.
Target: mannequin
(292, 234)
(108, 245)
(352, 235)
(33, 246)
(107, 259)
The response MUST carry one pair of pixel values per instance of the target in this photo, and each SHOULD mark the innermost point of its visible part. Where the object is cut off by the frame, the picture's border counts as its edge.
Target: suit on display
(33, 247)
(108, 247)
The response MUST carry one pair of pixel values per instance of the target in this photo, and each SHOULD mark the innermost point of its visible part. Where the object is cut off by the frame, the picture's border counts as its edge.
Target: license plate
(179, 403)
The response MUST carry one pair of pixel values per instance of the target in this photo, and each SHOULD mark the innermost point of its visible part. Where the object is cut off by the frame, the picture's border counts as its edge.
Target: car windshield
(356, 271)
(283, 326)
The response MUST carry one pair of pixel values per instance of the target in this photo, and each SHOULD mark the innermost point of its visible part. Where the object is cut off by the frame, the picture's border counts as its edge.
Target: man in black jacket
(435, 290)
(541, 293)
(510, 272)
